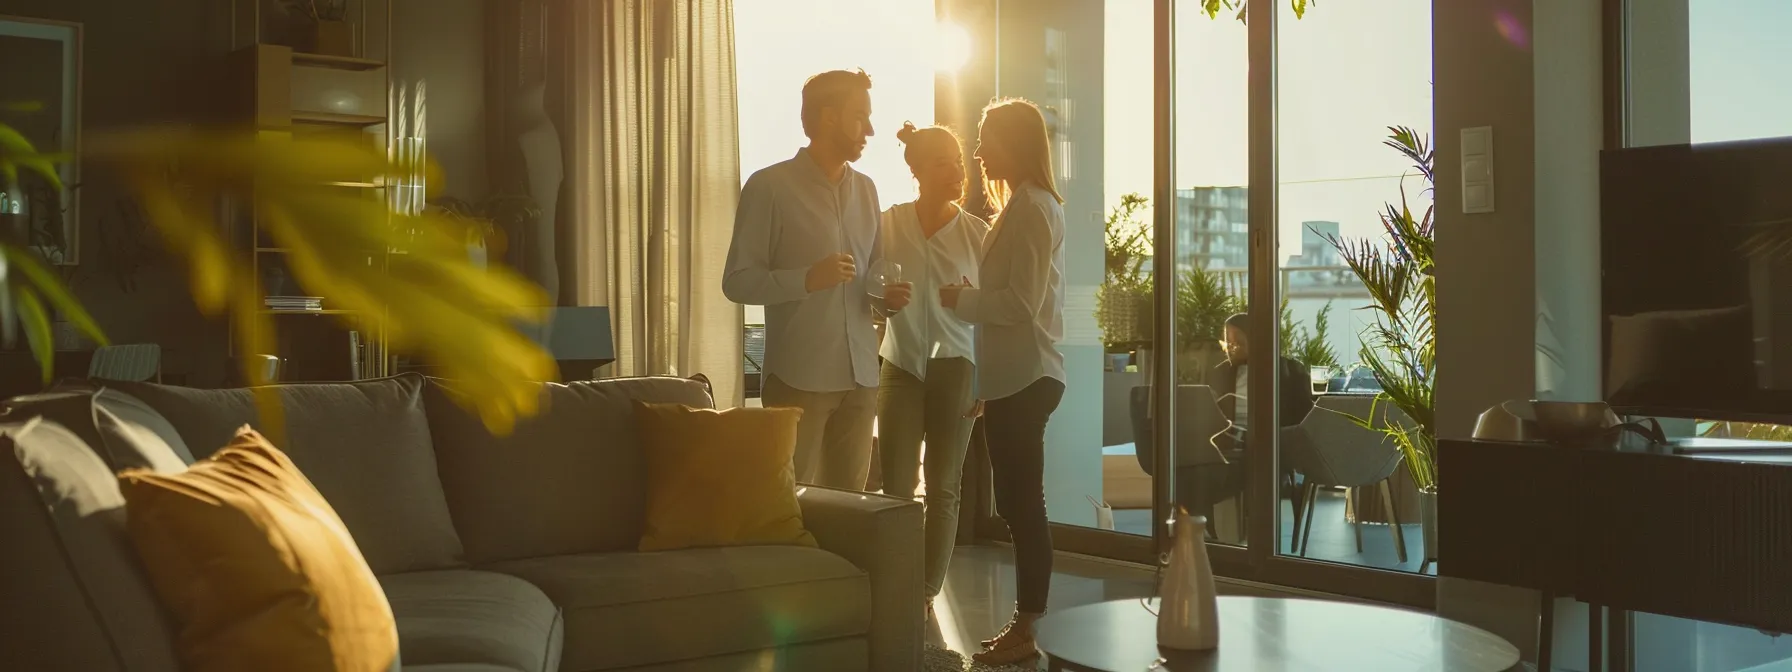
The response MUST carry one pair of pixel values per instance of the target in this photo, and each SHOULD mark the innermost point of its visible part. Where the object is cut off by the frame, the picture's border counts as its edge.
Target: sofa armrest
(882, 535)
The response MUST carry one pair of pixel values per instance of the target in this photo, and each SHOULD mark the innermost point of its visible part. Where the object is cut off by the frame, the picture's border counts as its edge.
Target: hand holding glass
(886, 289)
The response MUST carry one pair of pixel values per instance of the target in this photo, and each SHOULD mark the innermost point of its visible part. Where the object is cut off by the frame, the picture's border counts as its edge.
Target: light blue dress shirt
(791, 216)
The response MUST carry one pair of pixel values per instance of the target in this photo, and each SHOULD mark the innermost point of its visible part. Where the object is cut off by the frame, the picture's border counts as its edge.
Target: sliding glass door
(1219, 175)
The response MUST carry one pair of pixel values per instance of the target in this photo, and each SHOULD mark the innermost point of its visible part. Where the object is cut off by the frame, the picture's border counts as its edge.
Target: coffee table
(1259, 633)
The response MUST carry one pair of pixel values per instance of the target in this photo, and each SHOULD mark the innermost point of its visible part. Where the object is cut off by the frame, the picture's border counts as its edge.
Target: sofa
(512, 553)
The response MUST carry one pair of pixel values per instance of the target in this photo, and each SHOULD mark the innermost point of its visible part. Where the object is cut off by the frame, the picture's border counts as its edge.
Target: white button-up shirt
(1019, 309)
(924, 329)
(791, 216)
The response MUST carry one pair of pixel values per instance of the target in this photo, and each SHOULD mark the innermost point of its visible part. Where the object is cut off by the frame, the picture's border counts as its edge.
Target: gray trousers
(833, 439)
(910, 411)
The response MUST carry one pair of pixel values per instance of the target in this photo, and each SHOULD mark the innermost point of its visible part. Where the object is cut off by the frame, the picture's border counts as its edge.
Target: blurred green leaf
(37, 328)
(53, 292)
(431, 300)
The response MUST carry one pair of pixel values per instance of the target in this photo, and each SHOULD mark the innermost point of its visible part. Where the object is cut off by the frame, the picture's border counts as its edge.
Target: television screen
(1697, 289)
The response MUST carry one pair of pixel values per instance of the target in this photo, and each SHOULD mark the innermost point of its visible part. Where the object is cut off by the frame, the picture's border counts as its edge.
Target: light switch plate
(1477, 170)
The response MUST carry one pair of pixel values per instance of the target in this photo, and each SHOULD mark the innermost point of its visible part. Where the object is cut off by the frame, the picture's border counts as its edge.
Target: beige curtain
(653, 176)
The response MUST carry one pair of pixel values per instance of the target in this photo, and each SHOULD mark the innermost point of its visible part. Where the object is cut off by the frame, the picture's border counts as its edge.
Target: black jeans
(1015, 429)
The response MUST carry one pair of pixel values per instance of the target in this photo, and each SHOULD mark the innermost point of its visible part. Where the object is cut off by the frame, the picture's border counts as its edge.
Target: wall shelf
(326, 311)
(334, 119)
(335, 62)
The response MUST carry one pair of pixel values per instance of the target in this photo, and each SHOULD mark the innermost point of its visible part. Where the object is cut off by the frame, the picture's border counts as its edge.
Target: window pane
(1708, 70)
(1212, 267)
(1127, 133)
(1338, 94)
(1739, 53)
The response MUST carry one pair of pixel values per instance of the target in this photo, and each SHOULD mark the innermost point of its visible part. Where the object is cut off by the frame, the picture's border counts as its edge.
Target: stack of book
(294, 302)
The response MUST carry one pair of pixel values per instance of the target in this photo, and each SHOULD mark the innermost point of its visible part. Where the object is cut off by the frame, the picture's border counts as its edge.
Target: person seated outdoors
(1230, 381)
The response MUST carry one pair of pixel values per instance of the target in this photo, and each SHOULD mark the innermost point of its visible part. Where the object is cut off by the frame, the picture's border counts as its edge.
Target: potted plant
(1203, 302)
(1123, 302)
(324, 28)
(1400, 346)
(1311, 349)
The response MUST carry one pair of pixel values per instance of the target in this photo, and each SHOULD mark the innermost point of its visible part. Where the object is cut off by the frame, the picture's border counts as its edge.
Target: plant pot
(1124, 316)
(332, 38)
(1428, 521)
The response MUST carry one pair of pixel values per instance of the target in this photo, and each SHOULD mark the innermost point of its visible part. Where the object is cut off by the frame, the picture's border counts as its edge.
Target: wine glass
(883, 274)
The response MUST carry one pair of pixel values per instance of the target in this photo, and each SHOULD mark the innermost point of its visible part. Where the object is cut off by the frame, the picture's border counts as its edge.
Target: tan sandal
(1009, 650)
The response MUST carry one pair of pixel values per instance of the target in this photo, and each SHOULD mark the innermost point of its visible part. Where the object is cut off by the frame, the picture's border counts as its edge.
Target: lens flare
(951, 47)
(1512, 30)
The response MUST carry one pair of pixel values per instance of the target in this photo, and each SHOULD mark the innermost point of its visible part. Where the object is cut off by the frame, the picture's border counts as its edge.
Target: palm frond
(1399, 346)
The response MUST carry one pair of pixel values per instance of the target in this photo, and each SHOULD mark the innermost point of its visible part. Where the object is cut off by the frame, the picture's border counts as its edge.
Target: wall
(1486, 275)
(442, 42)
(1486, 269)
(1518, 288)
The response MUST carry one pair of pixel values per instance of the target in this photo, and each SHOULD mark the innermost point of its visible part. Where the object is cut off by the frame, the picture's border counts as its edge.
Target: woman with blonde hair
(924, 390)
(1019, 313)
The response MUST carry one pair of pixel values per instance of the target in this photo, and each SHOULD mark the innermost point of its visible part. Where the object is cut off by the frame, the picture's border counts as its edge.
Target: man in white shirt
(802, 227)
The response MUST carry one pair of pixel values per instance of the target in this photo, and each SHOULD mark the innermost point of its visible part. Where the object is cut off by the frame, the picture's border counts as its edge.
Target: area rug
(945, 660)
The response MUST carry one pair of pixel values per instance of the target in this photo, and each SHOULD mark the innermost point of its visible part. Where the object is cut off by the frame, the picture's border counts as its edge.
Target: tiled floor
(1332, 539)
(979, 594)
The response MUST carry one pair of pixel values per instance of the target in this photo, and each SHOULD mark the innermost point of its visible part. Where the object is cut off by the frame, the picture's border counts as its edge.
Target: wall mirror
(40, 83)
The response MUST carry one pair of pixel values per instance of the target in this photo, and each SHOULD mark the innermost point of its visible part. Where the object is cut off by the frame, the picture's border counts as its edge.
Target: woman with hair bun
(925, 390)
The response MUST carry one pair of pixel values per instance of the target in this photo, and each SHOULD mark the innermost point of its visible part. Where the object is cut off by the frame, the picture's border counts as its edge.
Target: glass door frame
(1260, 560)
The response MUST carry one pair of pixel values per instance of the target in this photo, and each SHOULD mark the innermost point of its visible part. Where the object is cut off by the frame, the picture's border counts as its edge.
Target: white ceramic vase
(1188, 614)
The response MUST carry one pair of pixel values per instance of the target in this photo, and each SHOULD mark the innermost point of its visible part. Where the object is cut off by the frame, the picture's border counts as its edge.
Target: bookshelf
(283, 93)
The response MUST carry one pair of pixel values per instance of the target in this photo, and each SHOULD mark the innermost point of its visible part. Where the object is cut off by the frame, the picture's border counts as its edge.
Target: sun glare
(952, 46)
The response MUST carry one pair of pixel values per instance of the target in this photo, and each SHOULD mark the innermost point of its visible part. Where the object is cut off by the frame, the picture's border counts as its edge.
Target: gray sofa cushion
(72, 596)
(630, 609)
(570, 480)
(462, 617)
(125, 432)
(365, 445)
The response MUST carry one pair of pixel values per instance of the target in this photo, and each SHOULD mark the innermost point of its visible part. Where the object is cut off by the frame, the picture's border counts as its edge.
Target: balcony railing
(1300, 282)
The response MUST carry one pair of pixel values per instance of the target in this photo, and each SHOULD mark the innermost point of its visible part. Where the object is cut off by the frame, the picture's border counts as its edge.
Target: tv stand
(1718, 447)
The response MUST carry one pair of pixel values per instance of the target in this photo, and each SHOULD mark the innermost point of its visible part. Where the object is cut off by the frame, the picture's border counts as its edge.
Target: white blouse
(924, 329)
(1019, 307)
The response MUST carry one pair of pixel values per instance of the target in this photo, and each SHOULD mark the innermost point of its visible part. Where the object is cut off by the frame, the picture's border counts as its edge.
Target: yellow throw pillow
(256, 567)
(720, 478)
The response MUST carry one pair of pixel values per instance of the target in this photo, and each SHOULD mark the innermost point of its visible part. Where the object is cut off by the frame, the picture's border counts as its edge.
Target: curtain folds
(653, 176)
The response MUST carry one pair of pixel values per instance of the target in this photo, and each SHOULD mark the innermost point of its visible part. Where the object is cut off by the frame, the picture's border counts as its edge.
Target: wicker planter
(1124, 316)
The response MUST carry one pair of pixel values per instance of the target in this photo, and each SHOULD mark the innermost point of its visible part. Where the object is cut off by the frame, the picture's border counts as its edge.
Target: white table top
(1289, 635)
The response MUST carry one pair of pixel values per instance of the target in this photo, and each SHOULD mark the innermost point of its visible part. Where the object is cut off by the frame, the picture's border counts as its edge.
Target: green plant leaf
(53, 292)
(36, 322)
(1399, 346)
